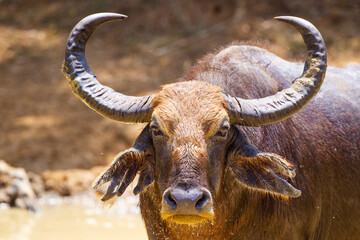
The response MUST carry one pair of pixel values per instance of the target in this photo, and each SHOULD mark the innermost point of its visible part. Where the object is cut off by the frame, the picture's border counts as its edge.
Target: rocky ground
(57, 140)
(21, 189)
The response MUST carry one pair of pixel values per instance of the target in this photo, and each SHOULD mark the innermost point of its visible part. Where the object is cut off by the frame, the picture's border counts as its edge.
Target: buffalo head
(193, 133)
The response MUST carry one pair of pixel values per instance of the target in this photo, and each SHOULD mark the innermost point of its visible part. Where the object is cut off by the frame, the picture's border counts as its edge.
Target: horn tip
(107, 15)
(287, 18)
(295, 21)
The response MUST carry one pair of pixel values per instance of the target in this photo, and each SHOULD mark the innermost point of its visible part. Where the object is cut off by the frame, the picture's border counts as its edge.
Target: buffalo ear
(125, 166)
(266, 172)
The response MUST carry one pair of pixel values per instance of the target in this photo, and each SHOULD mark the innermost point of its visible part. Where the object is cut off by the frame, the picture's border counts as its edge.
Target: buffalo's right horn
(85, 85)
(275, 108)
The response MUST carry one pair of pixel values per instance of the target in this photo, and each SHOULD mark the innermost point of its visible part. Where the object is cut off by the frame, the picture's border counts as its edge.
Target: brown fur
(253, 192)
(322, 141)
(182, 104)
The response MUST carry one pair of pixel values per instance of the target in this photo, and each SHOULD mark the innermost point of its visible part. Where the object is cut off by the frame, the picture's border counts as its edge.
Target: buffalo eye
(156, 131)
(222, 131)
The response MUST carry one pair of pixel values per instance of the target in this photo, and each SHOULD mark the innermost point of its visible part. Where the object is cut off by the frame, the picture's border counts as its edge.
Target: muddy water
(74, 219)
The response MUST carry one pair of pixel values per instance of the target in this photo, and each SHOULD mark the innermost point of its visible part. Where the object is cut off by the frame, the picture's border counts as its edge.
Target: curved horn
(275, 108)
(85, 85)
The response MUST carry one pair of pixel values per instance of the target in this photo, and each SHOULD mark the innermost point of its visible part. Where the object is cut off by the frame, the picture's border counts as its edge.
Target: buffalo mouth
(189, 219)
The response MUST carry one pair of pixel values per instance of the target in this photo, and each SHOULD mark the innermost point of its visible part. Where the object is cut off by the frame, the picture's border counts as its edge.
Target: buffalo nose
(187, 201)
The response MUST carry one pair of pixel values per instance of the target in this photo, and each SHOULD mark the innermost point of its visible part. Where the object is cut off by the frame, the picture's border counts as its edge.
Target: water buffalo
(218, 157)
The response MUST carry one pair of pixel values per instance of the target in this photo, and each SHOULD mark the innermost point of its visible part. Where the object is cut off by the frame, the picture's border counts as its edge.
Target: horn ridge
(104, 100)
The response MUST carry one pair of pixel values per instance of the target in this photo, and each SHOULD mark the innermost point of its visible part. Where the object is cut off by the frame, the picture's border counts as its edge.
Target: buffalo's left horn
(275, 108)
(85, 85)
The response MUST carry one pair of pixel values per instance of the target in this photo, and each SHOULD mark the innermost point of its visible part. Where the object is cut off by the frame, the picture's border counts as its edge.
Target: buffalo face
(185, 150)
(189, 132)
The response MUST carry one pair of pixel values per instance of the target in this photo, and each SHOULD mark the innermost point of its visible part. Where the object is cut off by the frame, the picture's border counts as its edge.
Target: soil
(45, 127)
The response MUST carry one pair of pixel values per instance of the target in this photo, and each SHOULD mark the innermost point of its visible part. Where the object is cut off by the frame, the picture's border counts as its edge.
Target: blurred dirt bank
(44, 127)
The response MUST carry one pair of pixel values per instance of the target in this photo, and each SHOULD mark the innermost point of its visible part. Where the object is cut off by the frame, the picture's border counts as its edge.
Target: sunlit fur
(250, 172)
(313, 141)
(182, 105)
(188, 116)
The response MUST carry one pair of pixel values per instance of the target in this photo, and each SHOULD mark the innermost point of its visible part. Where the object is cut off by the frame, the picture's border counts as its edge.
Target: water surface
(74, 218)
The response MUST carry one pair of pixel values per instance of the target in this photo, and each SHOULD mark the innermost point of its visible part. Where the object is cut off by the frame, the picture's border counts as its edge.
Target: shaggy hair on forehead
(192, 102)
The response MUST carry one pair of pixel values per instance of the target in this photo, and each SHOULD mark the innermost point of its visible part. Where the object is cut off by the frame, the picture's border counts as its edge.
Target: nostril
(201, 202)
(170, 200)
